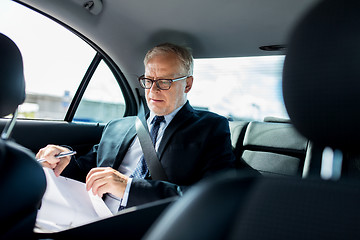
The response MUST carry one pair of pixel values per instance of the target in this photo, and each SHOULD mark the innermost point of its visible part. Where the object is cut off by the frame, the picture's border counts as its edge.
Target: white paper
(99, 205)
(66, 204)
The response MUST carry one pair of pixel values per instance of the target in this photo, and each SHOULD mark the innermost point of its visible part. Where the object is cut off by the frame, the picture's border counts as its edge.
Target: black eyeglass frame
(142, 80)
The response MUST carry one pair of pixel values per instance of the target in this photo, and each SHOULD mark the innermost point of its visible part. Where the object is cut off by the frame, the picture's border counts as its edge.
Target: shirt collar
(168, 117)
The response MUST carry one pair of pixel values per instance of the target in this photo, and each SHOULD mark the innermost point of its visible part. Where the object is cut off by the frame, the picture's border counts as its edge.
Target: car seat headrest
(321, 75)
(12, 82)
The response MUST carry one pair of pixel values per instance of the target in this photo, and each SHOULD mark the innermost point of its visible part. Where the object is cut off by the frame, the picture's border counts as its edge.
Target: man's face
(163, 102)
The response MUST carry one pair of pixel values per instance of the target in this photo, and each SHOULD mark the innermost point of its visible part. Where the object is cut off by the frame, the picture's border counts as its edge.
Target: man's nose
(154, 87)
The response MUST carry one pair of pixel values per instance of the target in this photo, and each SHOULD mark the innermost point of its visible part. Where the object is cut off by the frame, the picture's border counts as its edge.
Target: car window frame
(129, 98)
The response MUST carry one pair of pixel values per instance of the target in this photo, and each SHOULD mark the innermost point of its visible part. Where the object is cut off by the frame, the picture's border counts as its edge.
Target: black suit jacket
(195, 144)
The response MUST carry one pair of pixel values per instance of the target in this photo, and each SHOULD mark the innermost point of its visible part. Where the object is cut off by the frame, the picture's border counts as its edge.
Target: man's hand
(106, 180)
(51, 161)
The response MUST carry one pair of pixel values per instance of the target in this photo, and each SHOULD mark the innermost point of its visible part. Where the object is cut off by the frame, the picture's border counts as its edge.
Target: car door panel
(35, 134)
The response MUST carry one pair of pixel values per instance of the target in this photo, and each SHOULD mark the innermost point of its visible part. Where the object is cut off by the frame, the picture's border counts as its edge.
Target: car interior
(308, 163)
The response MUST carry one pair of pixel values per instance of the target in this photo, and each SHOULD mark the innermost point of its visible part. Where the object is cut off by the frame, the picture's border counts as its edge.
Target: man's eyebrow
(158, 77)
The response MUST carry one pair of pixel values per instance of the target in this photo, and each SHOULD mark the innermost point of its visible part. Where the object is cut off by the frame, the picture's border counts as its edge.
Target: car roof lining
(125, 30)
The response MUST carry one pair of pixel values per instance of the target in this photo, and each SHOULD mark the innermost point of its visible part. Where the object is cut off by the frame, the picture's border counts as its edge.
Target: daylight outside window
(244, 88)
(55, 62)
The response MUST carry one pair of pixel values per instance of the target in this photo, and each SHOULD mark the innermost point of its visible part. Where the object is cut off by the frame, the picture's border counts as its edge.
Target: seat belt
(152, 160)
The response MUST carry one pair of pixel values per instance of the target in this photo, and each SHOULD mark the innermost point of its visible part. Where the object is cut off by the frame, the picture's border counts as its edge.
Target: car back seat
(237, 133)
(272, 148)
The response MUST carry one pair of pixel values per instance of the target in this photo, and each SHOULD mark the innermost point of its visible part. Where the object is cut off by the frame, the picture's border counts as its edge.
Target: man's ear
(189, 82)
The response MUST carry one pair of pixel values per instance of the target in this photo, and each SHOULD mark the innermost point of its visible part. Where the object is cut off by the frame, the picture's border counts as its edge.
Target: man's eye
(164, 82)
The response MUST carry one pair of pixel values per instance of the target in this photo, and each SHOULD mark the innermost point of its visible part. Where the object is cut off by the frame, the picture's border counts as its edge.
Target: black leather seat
(22, 180)
(321, 85)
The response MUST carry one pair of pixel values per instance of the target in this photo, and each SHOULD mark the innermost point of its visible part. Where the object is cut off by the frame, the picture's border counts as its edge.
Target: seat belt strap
(152, 160)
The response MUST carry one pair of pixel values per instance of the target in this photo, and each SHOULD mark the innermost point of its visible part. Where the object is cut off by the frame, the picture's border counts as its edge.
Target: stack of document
(67, 204)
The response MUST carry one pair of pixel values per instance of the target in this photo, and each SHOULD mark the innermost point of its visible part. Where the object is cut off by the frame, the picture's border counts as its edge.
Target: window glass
(55, 62)
(246, 88)
(103, 99)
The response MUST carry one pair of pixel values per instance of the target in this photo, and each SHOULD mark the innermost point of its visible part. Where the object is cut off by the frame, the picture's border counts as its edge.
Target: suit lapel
(185, 113)
(128, 138)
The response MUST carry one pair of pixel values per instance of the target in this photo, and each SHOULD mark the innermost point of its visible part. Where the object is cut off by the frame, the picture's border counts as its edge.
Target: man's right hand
(49, 153)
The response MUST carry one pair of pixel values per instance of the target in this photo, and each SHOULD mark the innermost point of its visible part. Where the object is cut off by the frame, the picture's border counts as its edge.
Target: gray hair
(184, 55)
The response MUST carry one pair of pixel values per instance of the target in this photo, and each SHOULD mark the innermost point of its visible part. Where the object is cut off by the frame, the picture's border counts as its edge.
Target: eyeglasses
(163, 84)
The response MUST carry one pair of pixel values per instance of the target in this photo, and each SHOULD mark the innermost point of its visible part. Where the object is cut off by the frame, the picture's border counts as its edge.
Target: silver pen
(60, 155)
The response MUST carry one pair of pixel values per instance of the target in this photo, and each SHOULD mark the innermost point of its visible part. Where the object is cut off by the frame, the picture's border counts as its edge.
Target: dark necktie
(141, 169)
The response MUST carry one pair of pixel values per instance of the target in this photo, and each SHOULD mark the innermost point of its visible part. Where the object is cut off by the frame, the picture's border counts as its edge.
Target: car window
(102, 100)
(243, 88)
(55, 62)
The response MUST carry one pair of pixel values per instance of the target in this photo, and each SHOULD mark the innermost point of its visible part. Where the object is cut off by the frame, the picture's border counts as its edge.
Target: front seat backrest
(321, 81)
(12, 84)
(22, 180)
